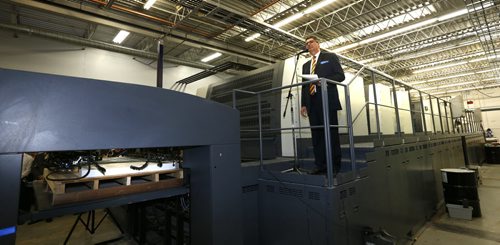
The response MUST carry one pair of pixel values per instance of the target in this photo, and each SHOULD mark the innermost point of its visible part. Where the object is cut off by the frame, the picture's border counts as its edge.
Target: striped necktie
(312, 86)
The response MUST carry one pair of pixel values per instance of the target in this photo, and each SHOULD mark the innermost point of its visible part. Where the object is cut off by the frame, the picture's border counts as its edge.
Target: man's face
(312, 45)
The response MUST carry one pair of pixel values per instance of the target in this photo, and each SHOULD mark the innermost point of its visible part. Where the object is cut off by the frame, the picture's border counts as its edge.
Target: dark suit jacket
(327, 66)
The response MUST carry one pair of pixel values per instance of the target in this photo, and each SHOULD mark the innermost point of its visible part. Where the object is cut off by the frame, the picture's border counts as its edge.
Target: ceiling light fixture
(299, 15)
(211, 57)
(412, 27)
(149, 3)
(466, 89)
(440, 67)
(447, 86)
(408, 16)
(318, 6)
(120, 36)
(485, 71)
(252, 37)
(452, 76)
(436, 65)
(288, 20)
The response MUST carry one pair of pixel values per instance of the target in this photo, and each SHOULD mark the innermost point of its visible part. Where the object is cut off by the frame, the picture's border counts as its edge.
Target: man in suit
(325, 65)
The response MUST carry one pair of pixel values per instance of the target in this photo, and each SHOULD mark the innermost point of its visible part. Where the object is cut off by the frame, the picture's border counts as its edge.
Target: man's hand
(303, 111)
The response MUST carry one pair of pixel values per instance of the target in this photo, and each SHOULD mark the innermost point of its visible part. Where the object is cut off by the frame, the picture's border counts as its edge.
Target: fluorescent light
(467, 89)
(494, 69)
(288, 20)
(367, 61)
(448, 77)
(298, 15)
(252, 37)
(435, 65)
(408, 16)
(439, 50)
(400, 30)
(450, 60)
(452, 15)
(440, 67)
(484, 58)
(442, 78)
(411, 27)
(120, 36)
(352, 45)
(415, 83)
(318, 6)
(149, 3)
(479, 59)
(211, 57)
(493, 78)
(447, 86)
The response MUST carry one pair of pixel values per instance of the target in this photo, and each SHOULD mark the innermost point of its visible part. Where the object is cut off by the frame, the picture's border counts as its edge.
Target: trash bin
(460, 188)
(459, 212)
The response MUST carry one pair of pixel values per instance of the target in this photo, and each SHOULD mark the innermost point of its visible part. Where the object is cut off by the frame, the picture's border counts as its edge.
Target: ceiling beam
(156, 31)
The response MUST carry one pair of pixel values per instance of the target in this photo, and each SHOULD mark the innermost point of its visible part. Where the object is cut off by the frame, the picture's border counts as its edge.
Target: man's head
(312, 45)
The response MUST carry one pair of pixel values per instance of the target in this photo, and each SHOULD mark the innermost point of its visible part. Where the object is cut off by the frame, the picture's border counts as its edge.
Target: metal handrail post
(396, 109)
(422, 111)
(356, 75)
(379, 135)
(260, 133)
(326, 124)
(446, 116)
(351, 131)
(432, 114)
(440, 118)
(234, 99)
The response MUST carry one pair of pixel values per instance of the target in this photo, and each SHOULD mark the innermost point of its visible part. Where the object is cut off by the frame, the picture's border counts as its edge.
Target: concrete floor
(485, 230)
(441, 230)
(55, 232)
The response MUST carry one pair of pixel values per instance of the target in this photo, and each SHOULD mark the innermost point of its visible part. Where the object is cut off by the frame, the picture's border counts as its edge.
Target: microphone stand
(289, 99)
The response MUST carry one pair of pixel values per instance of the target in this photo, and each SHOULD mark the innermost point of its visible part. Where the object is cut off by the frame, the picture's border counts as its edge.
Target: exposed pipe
(102, 45)
(107, 18)
(159, 66)
(151, 17)
(267, 5)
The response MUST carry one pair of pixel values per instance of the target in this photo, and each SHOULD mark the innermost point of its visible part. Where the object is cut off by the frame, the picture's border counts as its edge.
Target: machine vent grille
(250, 188)
(248, 106)
(314, 196)
(269, 188)
(291, 192)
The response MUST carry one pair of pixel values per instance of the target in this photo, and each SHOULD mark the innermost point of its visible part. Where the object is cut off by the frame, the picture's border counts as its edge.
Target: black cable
(143, 166)
(66, 179)
(479, 91)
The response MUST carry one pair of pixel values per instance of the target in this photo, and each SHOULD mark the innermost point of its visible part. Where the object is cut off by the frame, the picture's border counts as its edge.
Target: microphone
(303, 51)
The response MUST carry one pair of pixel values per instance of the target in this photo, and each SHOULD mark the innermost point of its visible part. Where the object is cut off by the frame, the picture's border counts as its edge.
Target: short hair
(313, 37)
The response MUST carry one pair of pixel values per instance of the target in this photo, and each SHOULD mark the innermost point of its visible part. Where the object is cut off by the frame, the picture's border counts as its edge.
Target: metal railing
(439, 111)
(324, 83)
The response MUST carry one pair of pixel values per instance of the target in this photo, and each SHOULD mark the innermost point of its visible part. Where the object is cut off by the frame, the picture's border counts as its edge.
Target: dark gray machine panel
(401, 192)
(41, 112)
(257, 80)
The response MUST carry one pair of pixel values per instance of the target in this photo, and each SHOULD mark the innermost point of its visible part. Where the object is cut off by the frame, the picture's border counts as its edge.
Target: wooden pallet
(113, 184)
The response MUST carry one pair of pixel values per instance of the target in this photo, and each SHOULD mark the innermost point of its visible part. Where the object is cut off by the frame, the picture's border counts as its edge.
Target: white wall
(489, 98)
(387, 116)
(404, 113)
(357, 98)
(31, 53)
(428, 115)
